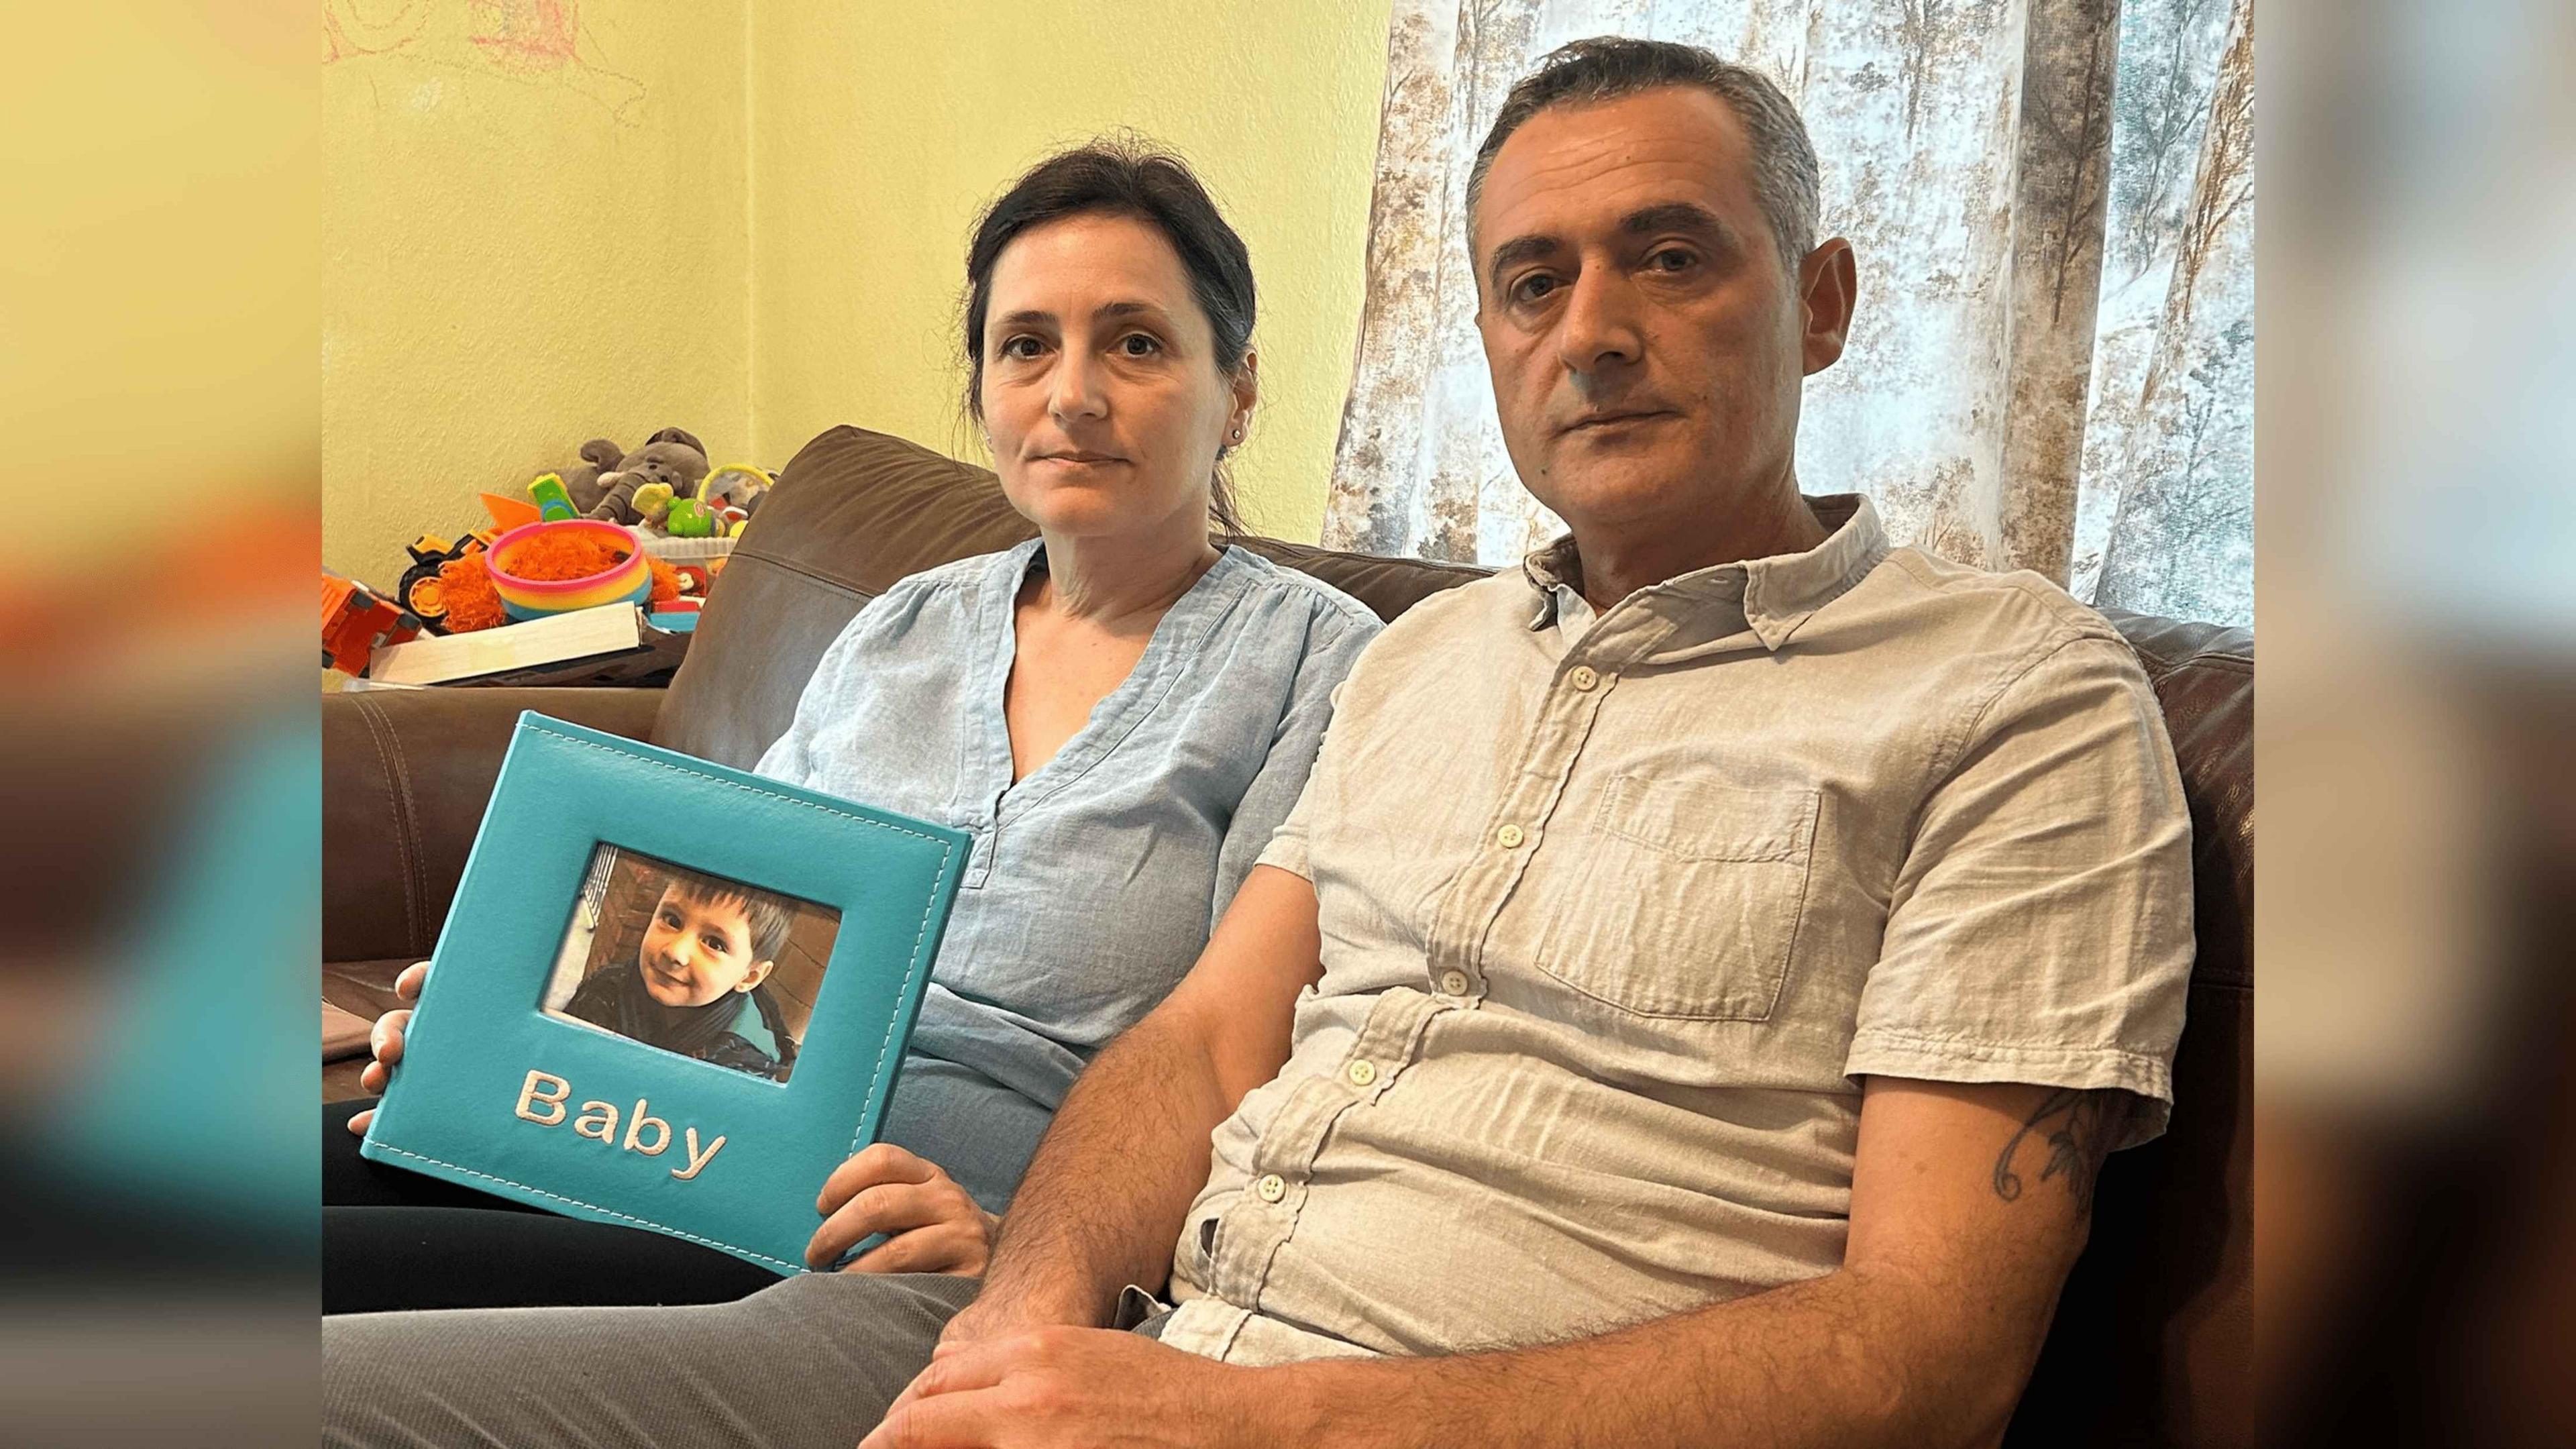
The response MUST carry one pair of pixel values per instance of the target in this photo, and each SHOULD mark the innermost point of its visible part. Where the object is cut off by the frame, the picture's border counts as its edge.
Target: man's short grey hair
(1608, 67)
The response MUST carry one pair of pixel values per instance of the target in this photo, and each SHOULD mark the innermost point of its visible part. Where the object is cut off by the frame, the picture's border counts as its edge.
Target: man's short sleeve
(1287, 847)
(2041, 928)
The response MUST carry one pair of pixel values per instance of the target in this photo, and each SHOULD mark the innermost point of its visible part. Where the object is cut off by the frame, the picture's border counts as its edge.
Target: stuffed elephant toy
(581, 483)
(672, 457)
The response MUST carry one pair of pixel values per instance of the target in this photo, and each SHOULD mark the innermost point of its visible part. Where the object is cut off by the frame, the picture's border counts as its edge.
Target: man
(1689, 1005)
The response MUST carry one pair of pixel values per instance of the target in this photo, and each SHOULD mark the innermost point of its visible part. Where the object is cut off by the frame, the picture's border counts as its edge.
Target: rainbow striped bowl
(630, 582)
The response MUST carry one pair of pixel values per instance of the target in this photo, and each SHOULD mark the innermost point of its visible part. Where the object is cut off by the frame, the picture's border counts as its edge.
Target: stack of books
(612, 644)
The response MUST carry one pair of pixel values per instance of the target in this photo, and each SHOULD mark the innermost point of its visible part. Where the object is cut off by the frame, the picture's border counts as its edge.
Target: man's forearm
(1969, 1206)
(1839, 1360)
(1103, 1199)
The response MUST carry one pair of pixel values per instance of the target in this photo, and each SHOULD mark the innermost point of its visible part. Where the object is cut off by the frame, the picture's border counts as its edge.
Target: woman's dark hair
(1121, 177)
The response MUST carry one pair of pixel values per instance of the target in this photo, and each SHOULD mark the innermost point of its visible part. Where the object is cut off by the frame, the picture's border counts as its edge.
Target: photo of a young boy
(698, 983)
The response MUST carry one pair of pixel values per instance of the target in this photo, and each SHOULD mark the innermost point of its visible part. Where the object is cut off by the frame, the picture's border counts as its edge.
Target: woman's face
(1101, 391)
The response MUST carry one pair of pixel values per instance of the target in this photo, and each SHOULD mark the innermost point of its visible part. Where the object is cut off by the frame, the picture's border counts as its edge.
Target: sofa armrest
(405, 776)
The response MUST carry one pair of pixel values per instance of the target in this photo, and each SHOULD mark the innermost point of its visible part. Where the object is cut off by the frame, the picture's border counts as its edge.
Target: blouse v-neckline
(1117, 713)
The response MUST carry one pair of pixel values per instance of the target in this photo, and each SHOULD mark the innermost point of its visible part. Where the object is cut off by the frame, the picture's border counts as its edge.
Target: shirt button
(1510, 837)
(1361, 1073)
(1271, 1187)
(1454, 982)
(1582, 678)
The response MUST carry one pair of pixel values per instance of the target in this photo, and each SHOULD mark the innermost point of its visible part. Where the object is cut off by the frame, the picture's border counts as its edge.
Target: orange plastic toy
(356, 620)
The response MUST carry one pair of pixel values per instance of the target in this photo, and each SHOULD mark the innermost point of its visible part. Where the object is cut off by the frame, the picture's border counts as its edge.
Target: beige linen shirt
(1615, 920)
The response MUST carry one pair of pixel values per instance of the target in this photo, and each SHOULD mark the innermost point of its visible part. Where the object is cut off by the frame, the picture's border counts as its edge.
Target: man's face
(1646, 341)
(696, 950)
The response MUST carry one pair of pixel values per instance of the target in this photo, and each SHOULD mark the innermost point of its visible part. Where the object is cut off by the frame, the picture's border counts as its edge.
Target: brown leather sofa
(2152, 1340)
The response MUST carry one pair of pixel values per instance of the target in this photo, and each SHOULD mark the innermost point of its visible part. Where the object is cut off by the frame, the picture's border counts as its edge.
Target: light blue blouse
(1094, 882)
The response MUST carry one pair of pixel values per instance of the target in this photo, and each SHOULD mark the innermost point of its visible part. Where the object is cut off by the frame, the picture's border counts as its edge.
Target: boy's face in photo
(696, 950)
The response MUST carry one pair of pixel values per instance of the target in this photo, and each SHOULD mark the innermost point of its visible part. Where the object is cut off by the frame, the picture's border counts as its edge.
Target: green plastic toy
(690, 518)
(553, 502)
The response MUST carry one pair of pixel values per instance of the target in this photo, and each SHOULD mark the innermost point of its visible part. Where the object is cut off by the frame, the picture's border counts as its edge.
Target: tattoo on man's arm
(2078, 1128)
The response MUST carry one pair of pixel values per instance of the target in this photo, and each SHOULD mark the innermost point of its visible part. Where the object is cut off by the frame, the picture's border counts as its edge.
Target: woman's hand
(385, 1043)
(931, 1225)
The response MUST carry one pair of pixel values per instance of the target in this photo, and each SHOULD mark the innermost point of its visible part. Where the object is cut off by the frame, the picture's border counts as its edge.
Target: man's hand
(931, 1224)
(1070, 1388)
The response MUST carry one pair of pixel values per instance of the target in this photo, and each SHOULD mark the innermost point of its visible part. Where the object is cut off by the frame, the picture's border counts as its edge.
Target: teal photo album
(669, 994)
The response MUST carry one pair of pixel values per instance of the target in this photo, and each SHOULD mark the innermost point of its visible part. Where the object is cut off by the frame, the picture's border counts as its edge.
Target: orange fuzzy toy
(549, 556)
(666, 580)
(472, 602)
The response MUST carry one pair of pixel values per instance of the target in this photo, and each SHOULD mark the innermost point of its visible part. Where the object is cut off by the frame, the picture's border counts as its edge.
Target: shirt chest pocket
(1686, 899)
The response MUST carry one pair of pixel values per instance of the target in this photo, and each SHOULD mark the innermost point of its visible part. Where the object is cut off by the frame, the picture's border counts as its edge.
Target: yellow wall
(748, 217)
(875, 144)
(530, 237)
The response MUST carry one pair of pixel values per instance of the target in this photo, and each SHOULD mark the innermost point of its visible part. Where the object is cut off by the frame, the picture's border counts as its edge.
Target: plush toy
(598, 456)
(668, 585)
(653, 506)
(673, 457)
(465, 587)
(685, 517)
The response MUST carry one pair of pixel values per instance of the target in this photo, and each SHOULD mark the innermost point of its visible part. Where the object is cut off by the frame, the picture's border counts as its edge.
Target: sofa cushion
(852, 512)
(405, 776)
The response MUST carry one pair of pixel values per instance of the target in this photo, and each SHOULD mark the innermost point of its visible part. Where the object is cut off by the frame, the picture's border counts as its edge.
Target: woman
(1120, 711)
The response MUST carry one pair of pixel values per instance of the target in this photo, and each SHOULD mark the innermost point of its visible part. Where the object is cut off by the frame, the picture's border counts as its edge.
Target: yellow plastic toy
(554, 501)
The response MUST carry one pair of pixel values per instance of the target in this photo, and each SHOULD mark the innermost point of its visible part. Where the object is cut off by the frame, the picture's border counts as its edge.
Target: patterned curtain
(2052, 204)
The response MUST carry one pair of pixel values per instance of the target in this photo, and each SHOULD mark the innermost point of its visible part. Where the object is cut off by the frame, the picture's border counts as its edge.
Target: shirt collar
(1770, 596)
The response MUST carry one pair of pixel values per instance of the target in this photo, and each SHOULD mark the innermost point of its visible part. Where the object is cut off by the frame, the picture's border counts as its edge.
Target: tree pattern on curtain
(2052, 204)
